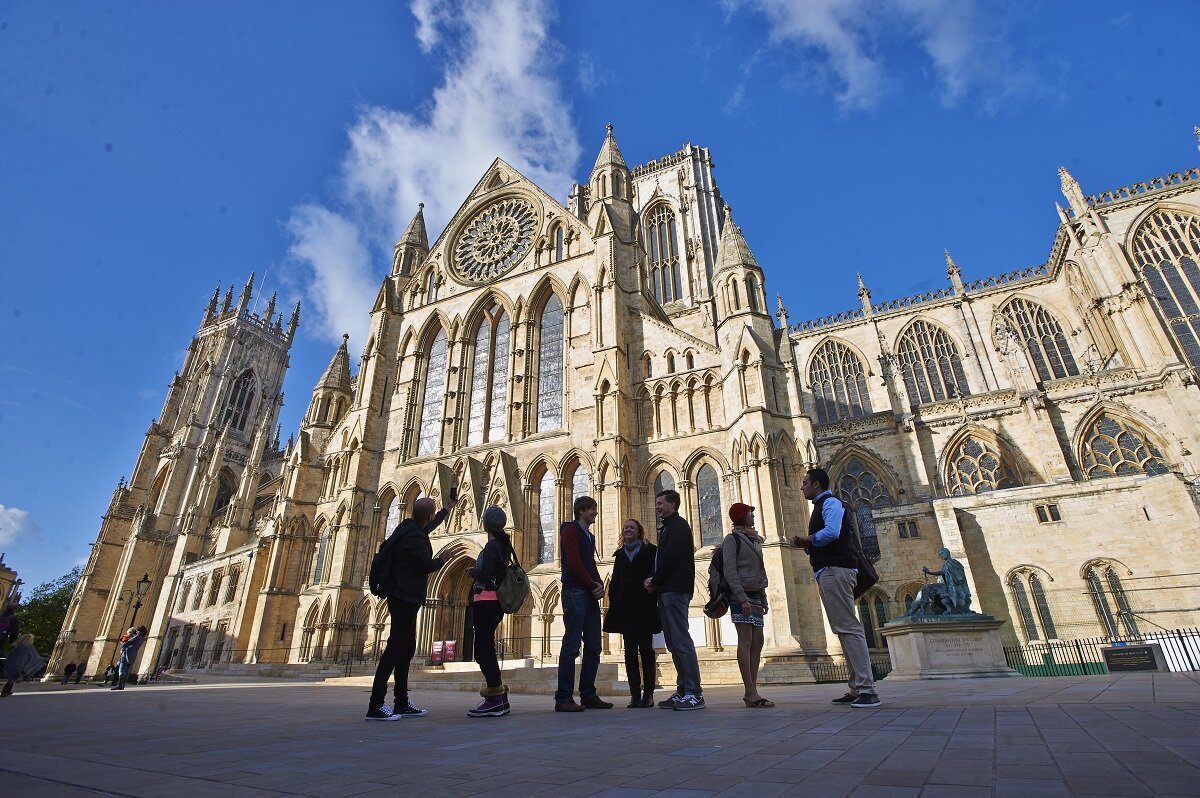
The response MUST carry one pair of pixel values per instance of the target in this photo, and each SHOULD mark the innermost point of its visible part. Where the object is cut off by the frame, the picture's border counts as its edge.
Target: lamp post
(143, 587)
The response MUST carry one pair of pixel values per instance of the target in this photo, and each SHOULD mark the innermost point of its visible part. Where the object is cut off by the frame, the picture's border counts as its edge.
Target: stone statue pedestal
(965, 646)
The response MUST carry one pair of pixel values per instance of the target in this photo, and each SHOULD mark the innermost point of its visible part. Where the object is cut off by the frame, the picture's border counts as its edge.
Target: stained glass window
(435, 394)
(665, 281)
(498, 413)
(319, 564)
(580, 485)
(1036, 619)
(1167, 248)
(931, 365)
(237, 409)
(1042, 338)
(489, 379)
(479, 384)
(708, 490)
(1042, 606)
(1114, 447)
(861, 491)
(1098, 577)
(839, 383)
(547, 518)
(550, 368)
(1021, 598)
(977, 467)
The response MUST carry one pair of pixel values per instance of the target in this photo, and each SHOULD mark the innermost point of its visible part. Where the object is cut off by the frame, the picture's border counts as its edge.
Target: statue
(949, 596)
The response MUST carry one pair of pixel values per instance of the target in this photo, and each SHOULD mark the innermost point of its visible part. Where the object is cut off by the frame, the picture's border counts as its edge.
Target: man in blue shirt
(835, 568)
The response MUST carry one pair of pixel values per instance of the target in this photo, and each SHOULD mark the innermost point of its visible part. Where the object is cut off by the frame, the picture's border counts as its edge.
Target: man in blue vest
(836, 570)
(582, 589)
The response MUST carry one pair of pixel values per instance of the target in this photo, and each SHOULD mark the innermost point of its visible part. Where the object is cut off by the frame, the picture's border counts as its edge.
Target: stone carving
(495, 240)
(951, 595)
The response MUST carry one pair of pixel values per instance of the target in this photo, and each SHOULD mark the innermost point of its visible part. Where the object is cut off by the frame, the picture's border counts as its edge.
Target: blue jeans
(673, 609)
(581, 617)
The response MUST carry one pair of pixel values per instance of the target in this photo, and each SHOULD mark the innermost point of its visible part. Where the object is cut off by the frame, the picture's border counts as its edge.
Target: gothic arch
(941, 345)
(474, 314)
(1011, 469)
(660, 462)
(540, 295)
(429, 329)
(873, 462)
(696, 458)
(571, 458)
(1041, 333)
(1156, 458)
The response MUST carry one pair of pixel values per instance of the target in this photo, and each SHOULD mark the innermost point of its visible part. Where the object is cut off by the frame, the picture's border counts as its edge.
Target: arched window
(1113, 447)
(547, 517)
(646, 366)
(435, 395)
(665, 281)
(977, 467)
(558, 251)
(237, 408)
(872, 611)
(1037, 622)
(393, 517)
(580, 484)
(430, 286)
(752, 293)
(737, 299)
(670, 362)
(861, 491)
(550, 367)
(1042, 338)
(930, 364)
(664, 481)
(225, 488)
(1167, 249)
(708, 493)
(839, 383)
(319, 563)
(690, 359)
(1107, 592)
(489, 378)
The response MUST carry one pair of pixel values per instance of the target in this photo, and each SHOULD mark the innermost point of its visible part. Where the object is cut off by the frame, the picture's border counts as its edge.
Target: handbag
(718, 605)
(513, 587)
(867, 575)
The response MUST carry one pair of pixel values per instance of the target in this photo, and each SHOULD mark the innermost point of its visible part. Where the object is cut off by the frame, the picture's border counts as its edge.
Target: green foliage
(45, 607)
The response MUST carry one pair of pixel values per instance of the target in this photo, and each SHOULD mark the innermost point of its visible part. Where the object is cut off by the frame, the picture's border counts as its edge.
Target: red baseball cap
(738, 511)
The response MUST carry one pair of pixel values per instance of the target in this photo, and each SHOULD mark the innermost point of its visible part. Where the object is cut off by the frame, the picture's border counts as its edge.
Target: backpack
(513, 588)
(718, 588)
(380, 578)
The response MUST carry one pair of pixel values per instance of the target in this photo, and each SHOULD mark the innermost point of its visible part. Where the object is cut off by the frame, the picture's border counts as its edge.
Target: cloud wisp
(498, 97)
(15, 524)
(841, 47)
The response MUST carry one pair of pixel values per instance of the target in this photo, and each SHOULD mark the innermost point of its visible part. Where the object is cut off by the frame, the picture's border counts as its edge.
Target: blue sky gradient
(153, 151)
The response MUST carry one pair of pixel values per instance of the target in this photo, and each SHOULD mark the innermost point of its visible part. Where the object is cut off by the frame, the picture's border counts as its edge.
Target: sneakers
(866, 701)
(688, 702)
(669, 701)
(848, 698)
(491, 707)
(381, 713)
(409, 711)
(567, 706)
(595, 702)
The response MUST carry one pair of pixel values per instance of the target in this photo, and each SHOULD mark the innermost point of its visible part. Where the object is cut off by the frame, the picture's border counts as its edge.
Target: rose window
(495, 240)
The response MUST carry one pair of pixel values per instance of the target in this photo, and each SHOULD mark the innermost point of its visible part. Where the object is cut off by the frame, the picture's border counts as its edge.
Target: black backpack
(380, 578)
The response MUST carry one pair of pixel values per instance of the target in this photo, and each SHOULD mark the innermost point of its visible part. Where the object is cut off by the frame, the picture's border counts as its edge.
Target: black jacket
(631, 610)
(414, 559)
(675, 568)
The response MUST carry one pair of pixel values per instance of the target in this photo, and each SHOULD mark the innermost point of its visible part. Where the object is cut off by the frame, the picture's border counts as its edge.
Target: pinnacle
(733, 251)
(415, 233)
(337, 373)
(610, 153)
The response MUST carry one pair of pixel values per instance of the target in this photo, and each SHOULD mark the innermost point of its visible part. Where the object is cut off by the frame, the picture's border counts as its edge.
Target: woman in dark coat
(633, 612)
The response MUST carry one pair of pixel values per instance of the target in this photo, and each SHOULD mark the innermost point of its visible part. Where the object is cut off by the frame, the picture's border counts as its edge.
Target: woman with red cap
(746, 575)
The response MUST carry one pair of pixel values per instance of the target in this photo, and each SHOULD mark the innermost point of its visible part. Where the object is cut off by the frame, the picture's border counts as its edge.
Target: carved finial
(228, 300)
(862, 288)
(1071, 190)
(291, 330)
(245, 297)
(953, 273)
(270, 307)
(608, 129)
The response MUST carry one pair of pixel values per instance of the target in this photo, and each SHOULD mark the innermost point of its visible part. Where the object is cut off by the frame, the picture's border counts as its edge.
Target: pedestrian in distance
(412, 563)
(79, 672)
(746, 575)
(68, 672)
(633, 612)
(582, 590)
(835, 567)
(132, 643)
(674, 579)
(22, 662)
(489, 570)
(110, 675)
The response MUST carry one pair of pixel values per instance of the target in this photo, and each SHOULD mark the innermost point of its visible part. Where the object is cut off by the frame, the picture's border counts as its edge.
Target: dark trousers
(398, 653)
(487, 616)
(639, 647)
(581, 619)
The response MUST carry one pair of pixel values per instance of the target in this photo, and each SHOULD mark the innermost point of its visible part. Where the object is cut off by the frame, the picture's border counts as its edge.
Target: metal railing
(1083, 656)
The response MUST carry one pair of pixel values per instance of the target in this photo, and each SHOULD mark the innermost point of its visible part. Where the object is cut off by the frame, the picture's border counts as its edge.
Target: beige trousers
(837, 594)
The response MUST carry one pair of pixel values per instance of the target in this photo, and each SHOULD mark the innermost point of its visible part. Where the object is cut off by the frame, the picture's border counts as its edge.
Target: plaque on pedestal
(946, 647)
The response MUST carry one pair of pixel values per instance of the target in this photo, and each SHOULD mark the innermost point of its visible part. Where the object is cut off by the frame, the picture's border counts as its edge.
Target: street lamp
(143, 587)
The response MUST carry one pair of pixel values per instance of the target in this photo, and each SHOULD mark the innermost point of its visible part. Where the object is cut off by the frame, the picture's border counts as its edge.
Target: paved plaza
(1115, 735)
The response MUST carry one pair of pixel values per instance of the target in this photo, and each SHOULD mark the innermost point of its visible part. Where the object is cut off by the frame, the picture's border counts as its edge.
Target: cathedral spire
(781, 312)
(733, 252)
(610, 175)
(293, 323)
(1072, 192)
(864, 295)
(270, 311)
(610, 153)
(211, 310)
(244, 299)
(228, 303)
(337, 373)
(953, 273)
(413, 245)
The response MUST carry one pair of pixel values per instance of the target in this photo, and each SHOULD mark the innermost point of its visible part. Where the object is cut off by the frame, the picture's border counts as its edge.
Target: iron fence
(1084, 656)
(831, 672)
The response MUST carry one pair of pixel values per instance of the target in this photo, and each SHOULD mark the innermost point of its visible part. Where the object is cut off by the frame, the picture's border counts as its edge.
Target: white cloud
(498, 97)
(15, 523)
(841, 42)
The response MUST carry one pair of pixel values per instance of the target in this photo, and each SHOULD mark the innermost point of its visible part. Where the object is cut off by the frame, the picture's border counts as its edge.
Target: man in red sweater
(582, 590)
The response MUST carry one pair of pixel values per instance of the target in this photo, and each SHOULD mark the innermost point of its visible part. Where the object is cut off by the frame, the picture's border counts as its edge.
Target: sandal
(761, 703)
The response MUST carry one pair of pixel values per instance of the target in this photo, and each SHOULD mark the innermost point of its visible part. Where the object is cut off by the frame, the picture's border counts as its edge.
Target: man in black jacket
(413, 563)
(675, 578)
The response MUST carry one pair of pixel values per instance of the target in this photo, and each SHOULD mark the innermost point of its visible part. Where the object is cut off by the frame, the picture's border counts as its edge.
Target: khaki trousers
(837, 594)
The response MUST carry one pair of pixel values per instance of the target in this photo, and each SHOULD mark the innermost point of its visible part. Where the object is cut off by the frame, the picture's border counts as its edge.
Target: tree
(42, 613)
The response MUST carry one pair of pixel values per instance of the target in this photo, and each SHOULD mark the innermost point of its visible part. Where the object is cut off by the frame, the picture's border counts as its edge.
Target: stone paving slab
(1114, 735)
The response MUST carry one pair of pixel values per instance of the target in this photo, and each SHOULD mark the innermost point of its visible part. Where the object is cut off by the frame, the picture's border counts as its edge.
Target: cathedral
(1039, 424)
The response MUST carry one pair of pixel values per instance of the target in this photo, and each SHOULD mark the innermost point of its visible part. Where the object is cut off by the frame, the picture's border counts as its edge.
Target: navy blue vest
(836, 552)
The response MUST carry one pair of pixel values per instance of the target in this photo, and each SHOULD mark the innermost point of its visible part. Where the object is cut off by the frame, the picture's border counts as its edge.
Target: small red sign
(436, 655)
(451, 650)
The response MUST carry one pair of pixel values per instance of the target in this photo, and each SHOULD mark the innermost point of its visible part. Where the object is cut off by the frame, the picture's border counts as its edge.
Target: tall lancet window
(665, 280)
(550, 367)
(547, 517)
(839, 383)
(489, 378)
(435, 396)
(237, 409)
(931, 364)
(708, 495)
(1167, 249)
(1042, 338)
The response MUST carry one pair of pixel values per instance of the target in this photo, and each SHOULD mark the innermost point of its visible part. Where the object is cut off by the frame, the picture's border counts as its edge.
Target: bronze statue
(949, 596)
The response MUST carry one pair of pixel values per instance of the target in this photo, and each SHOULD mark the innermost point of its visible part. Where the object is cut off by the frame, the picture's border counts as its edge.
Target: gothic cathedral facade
(1039, 424)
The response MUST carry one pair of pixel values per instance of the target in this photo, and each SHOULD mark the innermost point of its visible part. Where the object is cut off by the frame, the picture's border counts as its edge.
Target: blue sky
(151, 151)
